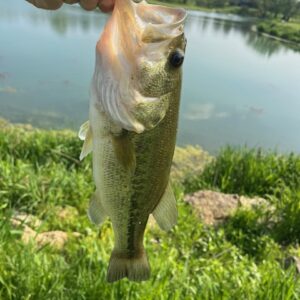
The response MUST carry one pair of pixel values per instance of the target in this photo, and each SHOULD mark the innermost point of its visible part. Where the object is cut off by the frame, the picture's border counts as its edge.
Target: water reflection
(261, 44)
(63, 20)
(264, 45)
(67, 18)
(3, 75)
(70, 18)
(204, 111)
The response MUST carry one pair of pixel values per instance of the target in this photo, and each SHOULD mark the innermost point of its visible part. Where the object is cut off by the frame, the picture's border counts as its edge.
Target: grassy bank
(289, 31)
(243, 258)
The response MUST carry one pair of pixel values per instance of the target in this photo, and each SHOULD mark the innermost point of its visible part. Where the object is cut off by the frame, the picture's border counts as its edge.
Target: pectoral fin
(85, 134)
(124, 150)
(84, 128)
(165, 212)
(96, 211)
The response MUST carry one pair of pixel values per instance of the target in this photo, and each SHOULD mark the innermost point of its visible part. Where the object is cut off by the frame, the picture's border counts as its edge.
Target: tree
(245, 3)
(218, 3)
(289, 9)
(201, 3)
(276, 7)
(264, 6)
(212, 3)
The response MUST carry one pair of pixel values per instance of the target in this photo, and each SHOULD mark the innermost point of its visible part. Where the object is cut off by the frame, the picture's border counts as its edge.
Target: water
(239, 88)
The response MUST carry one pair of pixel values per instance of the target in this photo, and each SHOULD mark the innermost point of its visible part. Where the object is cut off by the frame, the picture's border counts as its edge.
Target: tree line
(265, 8)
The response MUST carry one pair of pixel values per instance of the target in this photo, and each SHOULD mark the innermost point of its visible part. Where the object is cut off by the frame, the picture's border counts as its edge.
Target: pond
(239, 88)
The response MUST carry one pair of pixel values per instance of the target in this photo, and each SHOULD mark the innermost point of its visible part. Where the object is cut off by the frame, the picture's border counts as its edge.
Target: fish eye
(176, 58)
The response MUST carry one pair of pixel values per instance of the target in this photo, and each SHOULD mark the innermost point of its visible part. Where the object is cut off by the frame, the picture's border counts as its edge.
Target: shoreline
(254, 28)
(265, 27)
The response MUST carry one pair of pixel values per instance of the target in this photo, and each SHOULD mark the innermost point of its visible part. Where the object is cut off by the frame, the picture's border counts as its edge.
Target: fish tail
(135, 268)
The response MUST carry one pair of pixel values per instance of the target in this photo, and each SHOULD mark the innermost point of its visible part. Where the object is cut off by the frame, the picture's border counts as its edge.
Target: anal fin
(96, 211)
(165, 213)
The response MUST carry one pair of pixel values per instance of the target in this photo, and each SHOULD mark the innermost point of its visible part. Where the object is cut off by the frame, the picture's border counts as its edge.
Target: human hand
(104, 5)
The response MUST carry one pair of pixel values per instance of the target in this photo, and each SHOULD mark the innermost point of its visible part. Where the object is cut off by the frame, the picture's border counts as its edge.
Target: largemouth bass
(135, 94)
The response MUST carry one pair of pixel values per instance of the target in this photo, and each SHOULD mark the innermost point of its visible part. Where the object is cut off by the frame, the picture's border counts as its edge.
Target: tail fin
(135, 268)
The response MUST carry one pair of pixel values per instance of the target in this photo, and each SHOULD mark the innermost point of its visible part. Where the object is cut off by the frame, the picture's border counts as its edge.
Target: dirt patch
(29, 223)
(26, 219)
(214, 207)
(67, 213)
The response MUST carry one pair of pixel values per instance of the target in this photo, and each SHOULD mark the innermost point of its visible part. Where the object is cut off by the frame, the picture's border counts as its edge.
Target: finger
(46, 4)
(89, 4)
(106, 5)
(71, 1)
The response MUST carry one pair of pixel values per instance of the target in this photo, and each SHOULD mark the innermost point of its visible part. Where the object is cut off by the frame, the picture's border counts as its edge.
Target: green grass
(242, 259)
(248, 172)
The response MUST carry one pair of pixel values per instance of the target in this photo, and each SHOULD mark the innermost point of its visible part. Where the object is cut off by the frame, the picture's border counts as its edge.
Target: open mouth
(160, 15)
(159, 22)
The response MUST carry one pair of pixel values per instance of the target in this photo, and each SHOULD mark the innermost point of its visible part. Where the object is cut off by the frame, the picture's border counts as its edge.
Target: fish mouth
(160, 15)
(140, 22)
(159, 22)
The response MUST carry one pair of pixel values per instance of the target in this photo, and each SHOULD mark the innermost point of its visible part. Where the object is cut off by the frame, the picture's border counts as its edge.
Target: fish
(131, 131)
